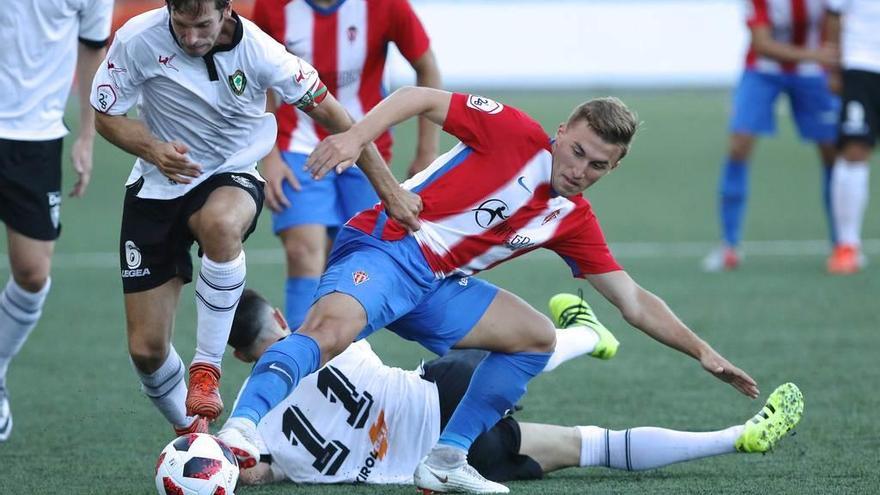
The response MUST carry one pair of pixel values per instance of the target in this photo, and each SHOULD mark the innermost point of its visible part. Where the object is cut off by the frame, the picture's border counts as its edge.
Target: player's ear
(279, 318)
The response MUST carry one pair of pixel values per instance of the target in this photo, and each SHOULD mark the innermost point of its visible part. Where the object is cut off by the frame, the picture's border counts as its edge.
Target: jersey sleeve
(407, 31)
(757, 13)
(95, 20)
(116, 86)
(482, 123)
(293, 79)
(583, 247)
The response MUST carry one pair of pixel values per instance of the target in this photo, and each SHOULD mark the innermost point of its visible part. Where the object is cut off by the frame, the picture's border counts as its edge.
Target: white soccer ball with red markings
(196, 464)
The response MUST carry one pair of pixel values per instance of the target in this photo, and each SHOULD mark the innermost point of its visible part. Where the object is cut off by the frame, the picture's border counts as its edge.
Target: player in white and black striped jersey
(199, 74)
(358, 420)
(45, 43)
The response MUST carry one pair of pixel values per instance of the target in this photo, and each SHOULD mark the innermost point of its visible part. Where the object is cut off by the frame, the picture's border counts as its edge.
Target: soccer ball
(196, 464)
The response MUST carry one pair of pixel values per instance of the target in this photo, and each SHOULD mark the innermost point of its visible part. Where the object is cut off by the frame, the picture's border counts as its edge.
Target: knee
(741, 147)
(856, 152)
(148, 355)
(545, 339)
(305, 256)
(31, 277)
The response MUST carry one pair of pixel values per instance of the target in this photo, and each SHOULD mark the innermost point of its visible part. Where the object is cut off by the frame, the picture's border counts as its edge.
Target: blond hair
(610, 119)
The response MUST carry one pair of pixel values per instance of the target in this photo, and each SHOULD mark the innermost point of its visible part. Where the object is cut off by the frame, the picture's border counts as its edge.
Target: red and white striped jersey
(347, 44)
(797, 22)
(489, 199)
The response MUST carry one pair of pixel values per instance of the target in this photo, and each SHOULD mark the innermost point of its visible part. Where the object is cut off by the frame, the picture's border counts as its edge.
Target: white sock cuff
(592, 440)
(165, 378)
(28, 301)
(215, 269)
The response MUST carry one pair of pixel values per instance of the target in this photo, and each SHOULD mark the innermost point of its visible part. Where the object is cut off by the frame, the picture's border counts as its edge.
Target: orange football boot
(203, 396)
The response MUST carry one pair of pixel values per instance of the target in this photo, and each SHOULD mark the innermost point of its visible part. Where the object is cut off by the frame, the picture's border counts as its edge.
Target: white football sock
(849, 199)
(19, 312)
(217, 293)
(166, 388)
(647, 447)
(571, 342)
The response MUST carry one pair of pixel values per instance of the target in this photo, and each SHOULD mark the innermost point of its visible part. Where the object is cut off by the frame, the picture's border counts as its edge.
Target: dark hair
(249, 320)
(610, 119)
(195, 7)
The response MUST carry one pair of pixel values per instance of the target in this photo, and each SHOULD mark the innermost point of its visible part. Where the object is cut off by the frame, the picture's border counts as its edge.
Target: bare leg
(552, 447)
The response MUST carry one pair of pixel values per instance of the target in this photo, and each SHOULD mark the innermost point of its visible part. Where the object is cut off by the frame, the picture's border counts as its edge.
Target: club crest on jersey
(237, 82)
(484, 104)
(352, 33)
(489, 211)
(359, 277)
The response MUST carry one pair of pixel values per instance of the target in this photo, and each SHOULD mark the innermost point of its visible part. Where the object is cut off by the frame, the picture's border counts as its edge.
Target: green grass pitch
(82, 426)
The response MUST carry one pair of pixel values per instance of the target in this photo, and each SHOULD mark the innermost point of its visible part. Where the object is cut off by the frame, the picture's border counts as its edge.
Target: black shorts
(860, 111)
(495, 453)
(30, 187)
(155, 240)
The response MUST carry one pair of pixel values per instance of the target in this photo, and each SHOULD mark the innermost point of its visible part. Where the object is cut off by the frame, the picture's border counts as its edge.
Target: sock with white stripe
(648, 447)
(849, 199)
(166, 388)
(19, 312)
(571, 342)
(217, 293)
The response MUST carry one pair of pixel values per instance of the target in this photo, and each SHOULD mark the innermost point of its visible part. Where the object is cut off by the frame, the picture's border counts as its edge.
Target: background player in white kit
(360, 421)
(43, 42)
(853, 24)
(200, 74)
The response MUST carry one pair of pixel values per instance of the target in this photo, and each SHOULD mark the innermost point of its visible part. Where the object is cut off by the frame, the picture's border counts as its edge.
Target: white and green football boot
(569, 310)
(779, 415)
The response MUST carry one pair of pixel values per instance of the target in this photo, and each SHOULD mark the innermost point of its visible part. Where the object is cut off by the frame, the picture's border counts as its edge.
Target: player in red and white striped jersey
(347, 42)
(786, 55)
(504, 190)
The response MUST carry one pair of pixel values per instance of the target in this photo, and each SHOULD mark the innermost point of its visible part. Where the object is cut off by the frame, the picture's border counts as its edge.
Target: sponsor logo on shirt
(165, 60)
(552, 216)
(359, 277)
(237, 82)
(512, 239)
(491, 210)
(484, 104)
(379, 439)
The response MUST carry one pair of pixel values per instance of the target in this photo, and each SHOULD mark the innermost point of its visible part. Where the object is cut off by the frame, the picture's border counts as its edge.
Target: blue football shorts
(330, 201)
(397, 290)
(813, 106)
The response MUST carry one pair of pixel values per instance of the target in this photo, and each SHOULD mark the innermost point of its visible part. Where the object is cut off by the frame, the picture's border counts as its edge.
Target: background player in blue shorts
(785, 56)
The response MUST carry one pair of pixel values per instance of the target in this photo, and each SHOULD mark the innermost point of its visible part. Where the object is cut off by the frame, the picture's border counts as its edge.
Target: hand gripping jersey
(347, 44)
(215, 104)
(353, 421)
(37, 61)
(489, 199)
(797, 22)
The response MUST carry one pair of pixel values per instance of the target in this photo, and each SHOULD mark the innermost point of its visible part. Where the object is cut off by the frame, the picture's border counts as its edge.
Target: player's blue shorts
(393, 283)
(813, 106)
(330, 201)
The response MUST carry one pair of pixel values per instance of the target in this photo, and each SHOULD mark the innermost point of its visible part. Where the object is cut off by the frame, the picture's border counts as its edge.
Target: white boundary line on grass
(622, 250)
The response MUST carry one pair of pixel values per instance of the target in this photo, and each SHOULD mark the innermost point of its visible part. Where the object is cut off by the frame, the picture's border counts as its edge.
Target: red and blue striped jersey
(489, 199)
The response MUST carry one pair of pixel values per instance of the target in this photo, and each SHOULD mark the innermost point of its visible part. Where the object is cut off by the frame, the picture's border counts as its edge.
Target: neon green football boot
(779, 415)
(568, 310)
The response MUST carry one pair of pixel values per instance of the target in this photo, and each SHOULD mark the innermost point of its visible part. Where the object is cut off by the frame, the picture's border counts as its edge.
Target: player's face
(580, 158)
(197, 33)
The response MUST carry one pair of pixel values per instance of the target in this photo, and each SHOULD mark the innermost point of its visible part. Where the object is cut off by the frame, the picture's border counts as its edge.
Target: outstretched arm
(651, 315)
(400, 204)
(341, 150)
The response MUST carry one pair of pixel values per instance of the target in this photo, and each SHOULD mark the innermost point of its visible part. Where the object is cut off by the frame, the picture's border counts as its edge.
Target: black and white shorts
(495, 453)
(30, 187)
(860, 111)
(155, 240)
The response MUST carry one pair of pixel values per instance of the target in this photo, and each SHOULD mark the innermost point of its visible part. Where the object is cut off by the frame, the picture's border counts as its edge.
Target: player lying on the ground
(358, 420)
(504, 190)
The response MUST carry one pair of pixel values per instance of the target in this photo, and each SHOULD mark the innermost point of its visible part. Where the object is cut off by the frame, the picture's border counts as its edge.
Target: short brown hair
(195, 7)
(610, 119)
